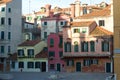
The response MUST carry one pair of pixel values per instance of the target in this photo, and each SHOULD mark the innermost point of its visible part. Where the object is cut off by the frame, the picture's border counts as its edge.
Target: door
(78, 66)
(58, 67)
(108, 67)
(43, 66)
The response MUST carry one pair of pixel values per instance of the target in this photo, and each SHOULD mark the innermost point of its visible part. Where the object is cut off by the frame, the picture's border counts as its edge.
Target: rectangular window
(2, 49)
(30, 65)
(92, 46)
(87, 62)
(2, 21)
(2, 35)
(2, 9)
(9, 35)
(45, 35)
(101, 23)
(76, 30)
(45, 23)
(13, 65)
(9, 49)
(61, 42)
(95, 61)
(70, 62)
(51, 42)
(84, 46)
(52, 66)
(84, 30)
(21, 64)
(37, 64)
(30, 52)
(84, 10)
(51, 54)
(20, 53)
(9, 21)
(60, 54)
(105, 46)
(61, 23)
(9, 10)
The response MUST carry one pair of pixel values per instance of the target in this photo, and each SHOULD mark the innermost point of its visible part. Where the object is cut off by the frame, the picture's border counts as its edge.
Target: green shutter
(79, 30)
(102, 46)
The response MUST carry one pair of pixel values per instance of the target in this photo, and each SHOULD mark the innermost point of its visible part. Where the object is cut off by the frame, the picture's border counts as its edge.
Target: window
(76, 30)
(30, 53)
(52, 66)
(61, 42)
(61, 23)
(105, 46)
(21, 64)
(9, 10)
(37, 64)
(38, 17)
(9, 35)
(84, 30)
(20, 52)
(51, 54)
(95, 61)
(67, 47)
(70, 62)
(84, 46)
(87, 62)
(29, 18)
(9, 49)
(92, 46)
(51, 42)
(2, 49)
(2, 35)
(101, 23)
(45, 23)
(76, 46)
(13, 65)
(45, 35)
(60, 54)
(84, 10)
(9, 21)
(30, 65)
(2, 9)
(2, 21)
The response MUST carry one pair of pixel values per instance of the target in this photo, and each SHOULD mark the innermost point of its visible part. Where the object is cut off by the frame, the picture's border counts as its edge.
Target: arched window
(84, 46)
(76, 46)
(105, 46)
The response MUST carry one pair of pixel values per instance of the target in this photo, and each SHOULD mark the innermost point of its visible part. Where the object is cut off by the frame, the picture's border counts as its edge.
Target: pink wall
(56, 49)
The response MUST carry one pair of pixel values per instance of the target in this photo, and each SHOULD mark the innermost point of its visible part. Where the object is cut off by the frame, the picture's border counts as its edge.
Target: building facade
(55, 52)
(10, 28)
(87, 47)
(31, 57)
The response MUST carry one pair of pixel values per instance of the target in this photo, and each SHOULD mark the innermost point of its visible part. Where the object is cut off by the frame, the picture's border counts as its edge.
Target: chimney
(72, 10)
(77, 8)
(48, 8)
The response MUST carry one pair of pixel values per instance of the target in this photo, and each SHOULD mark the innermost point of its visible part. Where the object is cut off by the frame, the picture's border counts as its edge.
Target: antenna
(29, 5)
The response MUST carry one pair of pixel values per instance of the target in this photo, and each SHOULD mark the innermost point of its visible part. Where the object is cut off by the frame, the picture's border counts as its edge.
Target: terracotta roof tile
(81, 24)
(104, 12)
(98, 31)
(4, 1)
(29, 43)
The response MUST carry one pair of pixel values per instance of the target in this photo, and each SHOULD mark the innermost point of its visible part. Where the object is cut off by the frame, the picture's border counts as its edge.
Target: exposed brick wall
(1, 67)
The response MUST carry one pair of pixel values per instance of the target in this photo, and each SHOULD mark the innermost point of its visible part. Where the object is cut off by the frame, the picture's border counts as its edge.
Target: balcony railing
(4, 41)
(86, 54)
(32, 30)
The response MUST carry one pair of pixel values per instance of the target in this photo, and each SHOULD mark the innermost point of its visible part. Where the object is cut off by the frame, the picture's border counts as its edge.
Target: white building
(10, 28)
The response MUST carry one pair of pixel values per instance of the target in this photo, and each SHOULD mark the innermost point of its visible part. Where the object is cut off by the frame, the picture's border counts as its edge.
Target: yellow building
(31, 57)
(116, 14)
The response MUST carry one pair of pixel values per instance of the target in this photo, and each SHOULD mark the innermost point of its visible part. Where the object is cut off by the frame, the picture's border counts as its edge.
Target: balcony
(3, 55)
(33, 30)
(86, 54)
